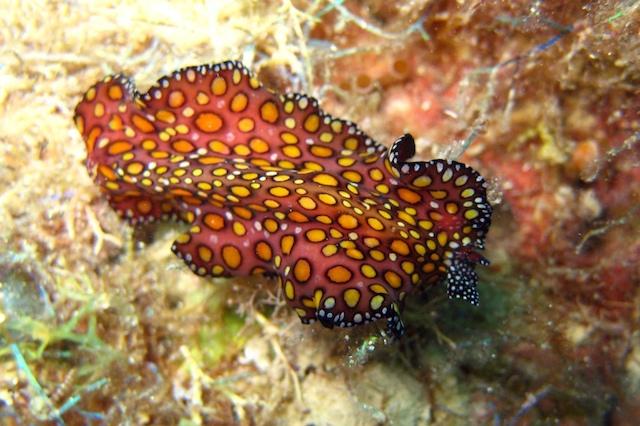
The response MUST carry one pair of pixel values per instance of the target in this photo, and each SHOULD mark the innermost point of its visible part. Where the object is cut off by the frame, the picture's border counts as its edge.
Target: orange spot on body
(208, 122)
(142, 124)
(176, 99)
(214, 221)
(119, 147)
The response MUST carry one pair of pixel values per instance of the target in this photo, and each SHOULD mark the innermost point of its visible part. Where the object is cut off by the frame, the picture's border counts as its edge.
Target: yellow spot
(272, 204)
(438, 195)
(346, 161)
(347, 221)
(242, 149)
(160, 154)
(371, 242)
(208, 122)
(166, 116)
(385, 214)
(377, 255)
(347, 244)
(115, 92)
(355, 254)
(393, 279)
(240, 191)
(116, 123)
(321, 151)
(291, 151)
(219, 147)
(289, 290)
(425, 224)
(422, 181)
(307, 203)
(471, 214)
(183, 146)
(239, 102)
(351, 144)
(246, 124)
(270, 225)
(188, 112)
(329, 250)
(254, 83)
(236, 77)
(403, 216)
(269, 112)
(290, 122)
(452, 208)
(135, 168)
(368, 271)
(286, 244)
(317, 297)
(288, 107)
(461, 180)
(408, 267)
(204, 186)
(202, 98)
(218, 86)
(376, 302)
(325, 179)
(263, 251)
(231, 256)
(302, 270)
(91, 94)
(214, 221)
(327, 199)
(352, 176)
(316, 235)
(279, 191)
(382, 188)
(339, 274)
(259, 146)
(326, 137)
(467, 193)
(210, 160)
(288, 138)
(176, 99)
(400, 247)
(98, 110)
(205, 253)
(376, 224)
(183, 238)
(378, 288)
(376, 174)
(351, 297)
(312, 123)
(442, 238)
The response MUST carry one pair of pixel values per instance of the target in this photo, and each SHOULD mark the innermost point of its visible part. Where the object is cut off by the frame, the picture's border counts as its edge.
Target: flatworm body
(272, 185)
